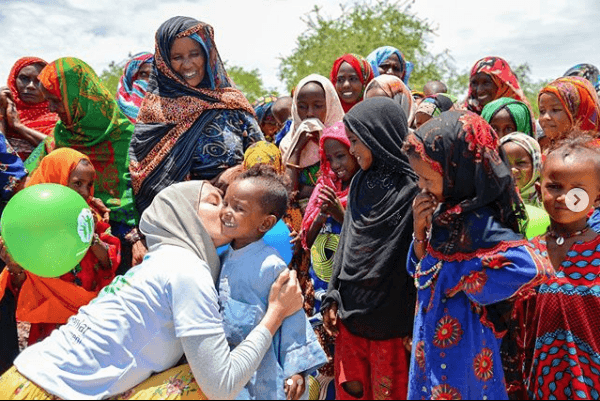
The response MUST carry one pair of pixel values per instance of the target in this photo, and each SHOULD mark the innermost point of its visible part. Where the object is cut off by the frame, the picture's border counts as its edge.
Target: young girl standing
(467, 253)
(370, 300)
(563, 340)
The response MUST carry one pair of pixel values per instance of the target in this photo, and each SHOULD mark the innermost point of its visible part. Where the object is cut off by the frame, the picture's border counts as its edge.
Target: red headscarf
(503, 77)
(35, 116)
(362, 68)
(328, 178)
(578, 98)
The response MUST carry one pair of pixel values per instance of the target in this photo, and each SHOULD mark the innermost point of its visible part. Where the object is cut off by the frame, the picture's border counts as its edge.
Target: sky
(550, 35)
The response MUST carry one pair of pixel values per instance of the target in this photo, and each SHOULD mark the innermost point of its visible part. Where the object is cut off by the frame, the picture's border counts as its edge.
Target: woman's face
(28, 84)
(503, 123)
(520, 162)
(188, 60)
(348, 85)
(429, 180)
(553, 118)
(392, 66)
(483, 88)
(312, 102)
(209, 209)
(55, 105)
(144, 72)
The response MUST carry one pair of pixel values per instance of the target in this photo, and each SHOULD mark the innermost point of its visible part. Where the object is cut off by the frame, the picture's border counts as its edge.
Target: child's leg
(352, 373)
(390, 363)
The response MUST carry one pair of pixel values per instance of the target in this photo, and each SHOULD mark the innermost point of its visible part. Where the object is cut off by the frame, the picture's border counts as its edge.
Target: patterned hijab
(264, 153)
(435, 105)
(579, 100)
(531, 146)
(362, 68)
(263, 106)
(395, 89)
(96, 127)
(518, 111)
(131, 91)
(174, 114)
(504, 79)
(381, 54)
(587, 71)
(481, 212)
(328, 178)
(335, 113)
(172, 219)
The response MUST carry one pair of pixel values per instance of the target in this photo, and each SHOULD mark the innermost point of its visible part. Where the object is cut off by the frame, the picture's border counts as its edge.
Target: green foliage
(361, 29)
(248, 82)
(110, 77)
(530, 87)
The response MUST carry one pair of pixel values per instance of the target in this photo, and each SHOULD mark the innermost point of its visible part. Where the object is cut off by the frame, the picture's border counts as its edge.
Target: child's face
(342, 163)
(520, 162)
(358, 149)
(503, 123)
(553, 118)
(312, 102)
(82, 180)
(559, 176)
(243, 216)
(421, 118)
(429, 180)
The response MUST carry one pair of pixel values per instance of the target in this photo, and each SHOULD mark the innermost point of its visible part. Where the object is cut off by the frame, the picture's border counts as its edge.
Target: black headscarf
(370, 284)
(482, 210)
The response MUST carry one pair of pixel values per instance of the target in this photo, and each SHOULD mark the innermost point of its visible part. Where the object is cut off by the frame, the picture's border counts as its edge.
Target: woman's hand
(285, 299)
(138, 251)
(304, 139)
(331, 204)
(12, 116)
(295, 387)
(423, 207)
(330, 320)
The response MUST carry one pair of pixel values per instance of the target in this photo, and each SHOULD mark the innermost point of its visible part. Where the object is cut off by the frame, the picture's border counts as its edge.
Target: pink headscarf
(328, 178)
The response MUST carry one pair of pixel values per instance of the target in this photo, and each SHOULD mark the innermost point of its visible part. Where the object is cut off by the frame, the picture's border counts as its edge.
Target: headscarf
(327, 179)
(335, 113)
(531, 146)
(579, 100)
(264, 153)
(504, 78)
(12, 171)
(35, 116)
(362, 68)
(435, 105)
(131, 91)
(172, 219)
(371, 256)
(96, 127)
(482, 210)
(56, 168)
(263, 106)
(173, 115)
(518, 111)
(587, 71)
(397, 90)
(381, 54)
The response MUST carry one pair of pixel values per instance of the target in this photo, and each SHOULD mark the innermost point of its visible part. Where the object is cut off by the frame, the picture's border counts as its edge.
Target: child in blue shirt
(253, 204)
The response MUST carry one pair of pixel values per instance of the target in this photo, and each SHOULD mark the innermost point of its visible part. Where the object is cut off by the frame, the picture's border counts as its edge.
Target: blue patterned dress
(455, 347)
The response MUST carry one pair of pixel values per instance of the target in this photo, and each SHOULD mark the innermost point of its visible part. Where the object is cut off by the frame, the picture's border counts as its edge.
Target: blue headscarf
(381, 54)
(130, 93)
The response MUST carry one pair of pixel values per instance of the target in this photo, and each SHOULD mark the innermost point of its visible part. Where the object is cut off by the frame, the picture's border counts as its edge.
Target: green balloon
(47, 229)
(538, 221)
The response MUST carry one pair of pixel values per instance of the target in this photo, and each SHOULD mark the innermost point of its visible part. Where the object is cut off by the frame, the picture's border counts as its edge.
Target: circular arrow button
(577, 200)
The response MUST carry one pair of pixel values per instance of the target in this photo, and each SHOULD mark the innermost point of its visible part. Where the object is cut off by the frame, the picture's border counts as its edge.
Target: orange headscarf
(579, 100)
(56, 168)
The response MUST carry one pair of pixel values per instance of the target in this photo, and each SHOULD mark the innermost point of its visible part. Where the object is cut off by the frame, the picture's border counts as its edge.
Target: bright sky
(550, 35)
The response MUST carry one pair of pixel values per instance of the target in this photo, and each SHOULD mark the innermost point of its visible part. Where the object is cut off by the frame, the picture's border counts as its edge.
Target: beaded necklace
(560, 239)
(434, 271)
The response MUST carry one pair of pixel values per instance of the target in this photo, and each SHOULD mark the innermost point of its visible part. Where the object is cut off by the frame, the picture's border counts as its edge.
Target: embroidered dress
(566, 357)
(451, 324)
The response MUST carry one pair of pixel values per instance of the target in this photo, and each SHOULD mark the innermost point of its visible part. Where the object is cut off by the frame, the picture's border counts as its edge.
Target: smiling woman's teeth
(228, 225)
(190, 75)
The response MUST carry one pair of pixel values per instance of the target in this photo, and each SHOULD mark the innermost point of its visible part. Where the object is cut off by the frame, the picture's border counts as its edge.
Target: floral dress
(455, 346)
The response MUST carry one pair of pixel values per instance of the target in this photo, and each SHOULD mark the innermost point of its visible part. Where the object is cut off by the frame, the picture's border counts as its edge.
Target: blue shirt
(246, 278)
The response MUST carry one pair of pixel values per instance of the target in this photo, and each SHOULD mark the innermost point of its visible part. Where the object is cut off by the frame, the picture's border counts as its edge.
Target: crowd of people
(357, 239)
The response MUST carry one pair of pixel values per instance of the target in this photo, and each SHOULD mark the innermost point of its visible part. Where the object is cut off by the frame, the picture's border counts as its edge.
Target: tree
(110, 77)
(360, 30)
(530, 87)
(248, 82)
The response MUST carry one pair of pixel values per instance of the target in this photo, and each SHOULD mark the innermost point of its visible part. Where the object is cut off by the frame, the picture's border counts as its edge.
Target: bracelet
(295, 166)
(134, 236)
(418, 241)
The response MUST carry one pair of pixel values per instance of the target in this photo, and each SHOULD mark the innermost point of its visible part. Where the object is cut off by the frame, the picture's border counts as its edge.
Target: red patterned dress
(566, 354)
